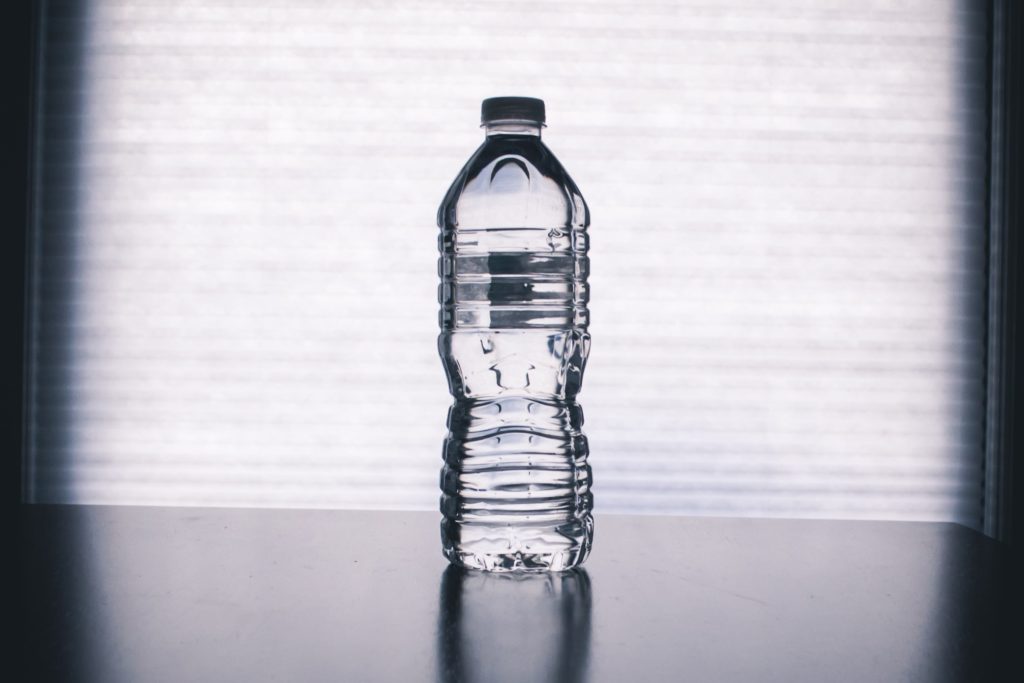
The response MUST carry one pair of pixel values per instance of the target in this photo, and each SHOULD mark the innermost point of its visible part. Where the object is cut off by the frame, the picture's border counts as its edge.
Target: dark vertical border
(1004, 504)
(1004, 495)
(1004, 460)
(18, 57)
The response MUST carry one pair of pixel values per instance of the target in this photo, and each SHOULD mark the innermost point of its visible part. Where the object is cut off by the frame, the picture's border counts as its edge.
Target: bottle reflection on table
(514, 627)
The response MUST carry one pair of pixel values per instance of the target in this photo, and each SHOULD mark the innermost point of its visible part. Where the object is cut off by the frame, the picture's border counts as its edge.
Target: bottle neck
(530, 128)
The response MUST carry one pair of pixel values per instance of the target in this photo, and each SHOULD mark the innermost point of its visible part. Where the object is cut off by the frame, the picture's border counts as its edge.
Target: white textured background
(235, 284)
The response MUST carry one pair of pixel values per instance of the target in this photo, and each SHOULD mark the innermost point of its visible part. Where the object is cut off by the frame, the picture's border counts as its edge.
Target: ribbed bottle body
(515, 485)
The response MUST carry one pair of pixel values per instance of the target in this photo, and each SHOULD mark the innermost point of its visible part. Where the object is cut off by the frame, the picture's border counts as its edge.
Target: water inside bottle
(514, 343)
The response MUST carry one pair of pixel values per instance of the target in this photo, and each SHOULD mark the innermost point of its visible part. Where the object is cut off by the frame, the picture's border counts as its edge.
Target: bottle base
(517, 548)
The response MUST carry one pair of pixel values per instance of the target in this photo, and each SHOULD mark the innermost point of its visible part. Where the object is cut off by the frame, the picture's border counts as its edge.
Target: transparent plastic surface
(514, 343)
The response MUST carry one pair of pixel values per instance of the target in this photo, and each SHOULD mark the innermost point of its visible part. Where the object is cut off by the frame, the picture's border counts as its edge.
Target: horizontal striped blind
(234, 268)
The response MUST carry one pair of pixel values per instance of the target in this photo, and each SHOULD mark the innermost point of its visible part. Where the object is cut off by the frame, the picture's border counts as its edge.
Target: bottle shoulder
(513, 181)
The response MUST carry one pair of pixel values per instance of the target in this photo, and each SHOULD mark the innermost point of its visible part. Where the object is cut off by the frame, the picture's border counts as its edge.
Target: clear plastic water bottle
(515, 483)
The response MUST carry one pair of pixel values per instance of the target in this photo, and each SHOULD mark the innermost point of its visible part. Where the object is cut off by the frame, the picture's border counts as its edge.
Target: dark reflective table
(183, 594)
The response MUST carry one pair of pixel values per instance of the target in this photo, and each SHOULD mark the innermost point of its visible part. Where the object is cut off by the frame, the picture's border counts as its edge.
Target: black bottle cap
(512, 109)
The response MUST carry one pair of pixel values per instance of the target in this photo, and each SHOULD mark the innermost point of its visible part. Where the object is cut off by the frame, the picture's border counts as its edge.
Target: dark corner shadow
(969, 637)
(513, 627)
(63, 615)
